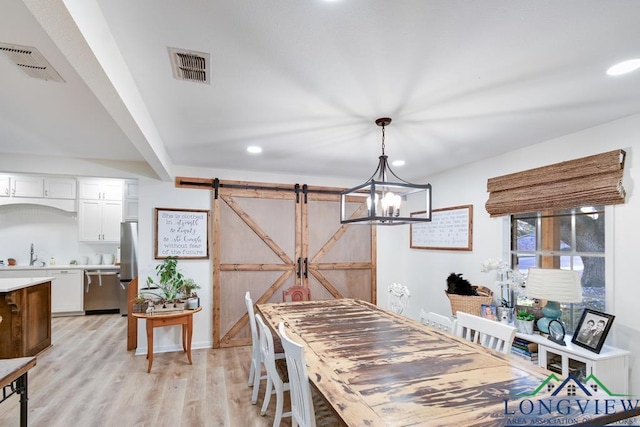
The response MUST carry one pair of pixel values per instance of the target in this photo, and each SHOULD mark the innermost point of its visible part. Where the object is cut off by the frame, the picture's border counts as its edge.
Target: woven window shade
(589, 181)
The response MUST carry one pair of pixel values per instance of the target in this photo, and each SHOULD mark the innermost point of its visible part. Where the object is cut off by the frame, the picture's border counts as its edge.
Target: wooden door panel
(352, 283)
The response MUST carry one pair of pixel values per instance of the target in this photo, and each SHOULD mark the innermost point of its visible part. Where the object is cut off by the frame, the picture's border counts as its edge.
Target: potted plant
(188, 290)
(140, 304)
(168, 289)
(524, 322)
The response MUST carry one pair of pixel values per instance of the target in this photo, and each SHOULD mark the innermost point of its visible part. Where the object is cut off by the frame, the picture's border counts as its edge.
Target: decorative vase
(193, 303)
(524, 326)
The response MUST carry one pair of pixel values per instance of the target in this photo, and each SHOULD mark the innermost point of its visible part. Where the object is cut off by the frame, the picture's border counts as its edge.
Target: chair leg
(256, 384)
(267, 396)
(251, 372)
(279, 404)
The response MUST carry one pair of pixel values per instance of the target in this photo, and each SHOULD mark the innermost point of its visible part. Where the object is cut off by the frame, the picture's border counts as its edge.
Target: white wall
(426, 270)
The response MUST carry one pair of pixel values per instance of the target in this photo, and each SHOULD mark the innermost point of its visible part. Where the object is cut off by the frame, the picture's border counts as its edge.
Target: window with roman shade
(588, 181)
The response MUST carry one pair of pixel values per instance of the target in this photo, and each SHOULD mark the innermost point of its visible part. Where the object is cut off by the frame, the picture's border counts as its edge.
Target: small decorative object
(188, 289)
(556, 332)
(140, 304)
(172, 286)
(73, 262)
(524, 322)
(509, 281)
(488, 312)
(592, 330)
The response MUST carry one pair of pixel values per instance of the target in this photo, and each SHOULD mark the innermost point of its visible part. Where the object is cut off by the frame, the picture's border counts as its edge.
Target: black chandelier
(387, 202)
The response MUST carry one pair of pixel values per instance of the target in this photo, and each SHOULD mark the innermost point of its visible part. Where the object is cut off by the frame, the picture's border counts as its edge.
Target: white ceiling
(462, 80)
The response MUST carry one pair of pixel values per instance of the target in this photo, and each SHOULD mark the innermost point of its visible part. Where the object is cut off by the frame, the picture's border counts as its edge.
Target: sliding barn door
(269, 238)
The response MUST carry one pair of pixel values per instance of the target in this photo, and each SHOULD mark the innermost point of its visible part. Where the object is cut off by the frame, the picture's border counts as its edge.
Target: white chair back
(398, 298)
(488, 333)
(438, 321)
(255, 372)
(302, 411)
(274, 381)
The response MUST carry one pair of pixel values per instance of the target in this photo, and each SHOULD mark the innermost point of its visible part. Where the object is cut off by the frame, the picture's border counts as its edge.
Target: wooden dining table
(377, 368)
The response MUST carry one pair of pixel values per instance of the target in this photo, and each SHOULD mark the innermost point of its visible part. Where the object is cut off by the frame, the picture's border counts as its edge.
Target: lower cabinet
(66, 292)
(609, 368)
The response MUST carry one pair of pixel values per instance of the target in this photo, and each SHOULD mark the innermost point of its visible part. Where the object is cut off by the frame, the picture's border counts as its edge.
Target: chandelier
(388, 202)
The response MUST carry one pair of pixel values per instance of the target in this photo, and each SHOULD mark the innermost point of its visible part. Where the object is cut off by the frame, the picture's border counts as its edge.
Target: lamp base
(551, 311)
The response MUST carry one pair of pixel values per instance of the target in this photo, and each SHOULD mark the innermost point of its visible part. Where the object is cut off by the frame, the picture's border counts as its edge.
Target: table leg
(189, 335)
(24, 398)
(149, 343)
(184, 337)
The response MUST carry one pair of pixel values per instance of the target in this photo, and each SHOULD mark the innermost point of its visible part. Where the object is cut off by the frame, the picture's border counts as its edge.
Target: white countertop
(62, 267)
(9, 285)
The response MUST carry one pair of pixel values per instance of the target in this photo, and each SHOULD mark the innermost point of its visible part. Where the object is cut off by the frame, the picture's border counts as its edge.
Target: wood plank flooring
(87, 378)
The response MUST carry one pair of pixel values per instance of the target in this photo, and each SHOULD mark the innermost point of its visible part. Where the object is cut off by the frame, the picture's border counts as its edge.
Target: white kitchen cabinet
(100, 189)
(60, 188)
(130, 199)
(27, 186)
(5, 186)
(99, 220)
(67, 293)
(610, 366)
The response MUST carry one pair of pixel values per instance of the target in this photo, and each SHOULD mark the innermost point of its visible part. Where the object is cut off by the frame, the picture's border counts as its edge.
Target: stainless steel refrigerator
(128, 259)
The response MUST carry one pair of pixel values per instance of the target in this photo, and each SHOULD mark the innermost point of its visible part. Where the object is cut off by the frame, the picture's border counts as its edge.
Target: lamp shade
(554, 285)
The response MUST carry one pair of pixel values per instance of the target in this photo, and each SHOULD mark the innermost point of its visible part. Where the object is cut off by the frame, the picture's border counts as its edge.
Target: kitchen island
(25, 306)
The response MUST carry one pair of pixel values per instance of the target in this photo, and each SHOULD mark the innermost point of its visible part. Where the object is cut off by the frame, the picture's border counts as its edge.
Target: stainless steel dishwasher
(101, 291)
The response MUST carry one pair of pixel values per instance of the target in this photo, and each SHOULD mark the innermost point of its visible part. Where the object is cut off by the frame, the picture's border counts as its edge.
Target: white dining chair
(398, 298)
(307, 408)
(488, 333)
(275, 383)
(438, 321)
(255, 371)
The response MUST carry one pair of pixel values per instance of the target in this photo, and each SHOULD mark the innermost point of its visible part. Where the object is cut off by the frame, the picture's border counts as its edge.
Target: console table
(610, 366)
(172, 318)
(13, 379)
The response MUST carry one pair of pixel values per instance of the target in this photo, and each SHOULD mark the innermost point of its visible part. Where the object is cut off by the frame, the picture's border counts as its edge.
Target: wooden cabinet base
(26, 324)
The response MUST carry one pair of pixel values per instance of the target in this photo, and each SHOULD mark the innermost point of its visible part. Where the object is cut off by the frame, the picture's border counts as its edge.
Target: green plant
(170, 283)
(524, 315)
(188, 288)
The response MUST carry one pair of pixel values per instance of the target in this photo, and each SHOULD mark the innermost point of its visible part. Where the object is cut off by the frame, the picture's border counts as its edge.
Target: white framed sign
(181, 233)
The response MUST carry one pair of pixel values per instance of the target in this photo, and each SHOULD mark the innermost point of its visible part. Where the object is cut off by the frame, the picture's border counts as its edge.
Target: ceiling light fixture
(624, 67)
(387, 202)
(254, 149)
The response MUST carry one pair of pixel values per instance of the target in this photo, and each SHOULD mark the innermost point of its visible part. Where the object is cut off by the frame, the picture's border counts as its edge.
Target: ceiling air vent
(29, 60)
(190, 65)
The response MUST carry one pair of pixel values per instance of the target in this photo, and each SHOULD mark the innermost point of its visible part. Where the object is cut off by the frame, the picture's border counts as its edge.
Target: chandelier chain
(383, 140)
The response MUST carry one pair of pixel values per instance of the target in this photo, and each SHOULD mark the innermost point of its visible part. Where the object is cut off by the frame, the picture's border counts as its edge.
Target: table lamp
(555, 286)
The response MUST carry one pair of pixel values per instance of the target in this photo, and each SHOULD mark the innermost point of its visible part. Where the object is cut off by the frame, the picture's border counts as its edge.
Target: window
(572, 239)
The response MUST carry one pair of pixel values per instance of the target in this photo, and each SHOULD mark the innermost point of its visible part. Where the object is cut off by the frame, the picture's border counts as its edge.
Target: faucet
(32, 260)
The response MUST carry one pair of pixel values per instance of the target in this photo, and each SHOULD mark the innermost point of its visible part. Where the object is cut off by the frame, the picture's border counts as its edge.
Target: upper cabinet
(60, 188)
(5, 186)
(131, 199)
(27, 186)
(57, 192)
(100, 189)
(100, 210)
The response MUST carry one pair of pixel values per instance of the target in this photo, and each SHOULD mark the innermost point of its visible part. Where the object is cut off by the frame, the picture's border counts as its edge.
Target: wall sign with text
(449, 229)
(182, 233)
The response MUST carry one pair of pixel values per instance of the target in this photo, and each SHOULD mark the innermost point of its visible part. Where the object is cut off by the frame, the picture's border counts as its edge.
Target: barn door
(268, 239)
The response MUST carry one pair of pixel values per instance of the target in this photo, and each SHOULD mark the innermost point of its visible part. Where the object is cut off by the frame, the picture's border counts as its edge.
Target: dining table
(378, 368)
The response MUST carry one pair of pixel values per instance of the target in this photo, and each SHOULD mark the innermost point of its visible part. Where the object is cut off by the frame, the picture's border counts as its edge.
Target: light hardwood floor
(87, 378)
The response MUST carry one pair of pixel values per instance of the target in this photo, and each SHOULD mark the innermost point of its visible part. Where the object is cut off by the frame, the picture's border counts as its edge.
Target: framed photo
(592, 330)
(488, 312)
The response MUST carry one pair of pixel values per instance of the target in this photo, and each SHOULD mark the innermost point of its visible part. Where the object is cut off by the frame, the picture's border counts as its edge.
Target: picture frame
(592, 330)
(450, 229)
(489, 311)
(181, 233)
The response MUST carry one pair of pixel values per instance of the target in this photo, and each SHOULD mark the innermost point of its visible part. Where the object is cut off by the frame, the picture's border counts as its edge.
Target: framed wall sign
(181, 233)
(449, 229)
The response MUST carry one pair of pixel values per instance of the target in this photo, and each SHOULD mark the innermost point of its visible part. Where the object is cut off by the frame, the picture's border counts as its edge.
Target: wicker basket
(470, 303)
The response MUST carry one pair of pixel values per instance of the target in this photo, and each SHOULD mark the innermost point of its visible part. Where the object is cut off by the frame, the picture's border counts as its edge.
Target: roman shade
(588, 181)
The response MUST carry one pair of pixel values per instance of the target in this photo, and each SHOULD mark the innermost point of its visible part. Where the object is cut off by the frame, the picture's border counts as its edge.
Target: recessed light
(624, 67)
(397, 163)
(254, 149)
